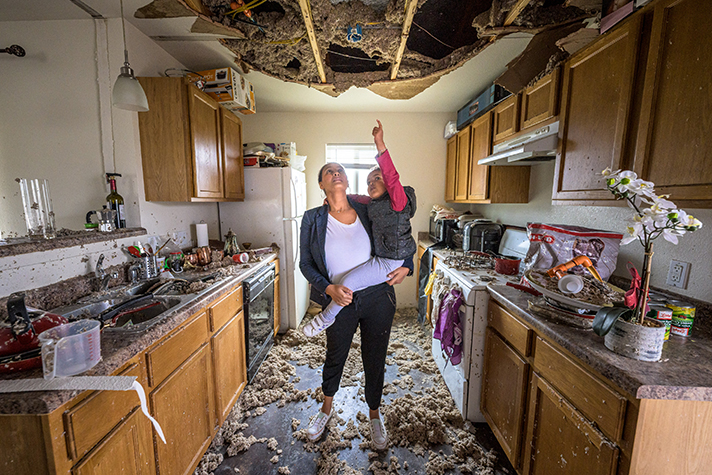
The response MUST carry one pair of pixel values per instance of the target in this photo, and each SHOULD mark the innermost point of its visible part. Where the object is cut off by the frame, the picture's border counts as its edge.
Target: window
(357, 160)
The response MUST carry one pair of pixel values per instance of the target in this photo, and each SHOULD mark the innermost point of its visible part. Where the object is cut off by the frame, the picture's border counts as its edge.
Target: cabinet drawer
(173, 351)
(226, 308)
(90, 420)
(598, 402)
(517, 334)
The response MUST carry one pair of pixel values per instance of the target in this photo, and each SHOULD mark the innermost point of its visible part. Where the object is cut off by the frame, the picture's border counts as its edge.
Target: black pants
(372, 309)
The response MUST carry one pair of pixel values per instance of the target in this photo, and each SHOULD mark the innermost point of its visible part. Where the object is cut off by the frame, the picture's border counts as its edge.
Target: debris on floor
(419, 414)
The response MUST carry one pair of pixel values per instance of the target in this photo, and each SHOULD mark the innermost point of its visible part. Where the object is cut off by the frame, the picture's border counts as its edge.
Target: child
(390, 207)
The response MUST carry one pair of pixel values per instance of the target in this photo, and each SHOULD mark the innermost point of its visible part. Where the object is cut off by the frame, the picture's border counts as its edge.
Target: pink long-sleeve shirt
(392, 181)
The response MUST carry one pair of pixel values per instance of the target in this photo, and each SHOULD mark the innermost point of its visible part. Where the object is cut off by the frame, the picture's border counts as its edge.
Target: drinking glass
(37, 204)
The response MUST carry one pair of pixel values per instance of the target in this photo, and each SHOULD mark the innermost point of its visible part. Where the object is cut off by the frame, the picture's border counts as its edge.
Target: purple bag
(448, 328)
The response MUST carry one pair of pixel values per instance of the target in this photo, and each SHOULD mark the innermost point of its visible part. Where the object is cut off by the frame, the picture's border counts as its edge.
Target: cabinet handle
(593, 435)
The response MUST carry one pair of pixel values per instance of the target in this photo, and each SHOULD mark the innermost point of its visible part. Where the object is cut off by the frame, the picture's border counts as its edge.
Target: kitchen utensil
(606, 317)
(191, 258)
(571, 284)
(506, 265)
(164, 245)
(523, 288)
(569, 301)
(19, 345)
(70, 349)
(105, 219)
(560, 270)
(133, 250)
(145, 267)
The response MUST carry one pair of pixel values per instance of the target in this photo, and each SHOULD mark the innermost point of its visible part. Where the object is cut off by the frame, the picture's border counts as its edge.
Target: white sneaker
(317, 424)
(379, 436)
(317, 325)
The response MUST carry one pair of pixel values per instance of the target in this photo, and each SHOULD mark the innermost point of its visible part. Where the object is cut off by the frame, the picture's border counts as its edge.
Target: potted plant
(628, 332)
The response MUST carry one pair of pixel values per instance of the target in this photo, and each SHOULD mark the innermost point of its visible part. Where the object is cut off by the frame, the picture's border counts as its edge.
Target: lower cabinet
(183, 405)
(228, 349)
(126, 450)
(504, 393)
(560, 440)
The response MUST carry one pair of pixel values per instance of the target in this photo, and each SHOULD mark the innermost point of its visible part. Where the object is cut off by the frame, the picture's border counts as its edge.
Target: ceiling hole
(268, 7)
(342, 59)
(294, 64)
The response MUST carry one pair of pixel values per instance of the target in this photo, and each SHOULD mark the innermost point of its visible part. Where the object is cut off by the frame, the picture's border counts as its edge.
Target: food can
(663, 314)
(683, 316)
(657, 298)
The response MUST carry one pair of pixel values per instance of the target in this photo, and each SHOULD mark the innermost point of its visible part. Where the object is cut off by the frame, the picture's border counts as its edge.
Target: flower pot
(640, 342)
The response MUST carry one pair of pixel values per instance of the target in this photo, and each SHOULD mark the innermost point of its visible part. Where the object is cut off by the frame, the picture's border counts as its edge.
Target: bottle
(115, 201)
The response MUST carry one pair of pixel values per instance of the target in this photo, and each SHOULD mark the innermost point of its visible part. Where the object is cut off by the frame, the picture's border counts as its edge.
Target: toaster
(438, 230)
(482, 236)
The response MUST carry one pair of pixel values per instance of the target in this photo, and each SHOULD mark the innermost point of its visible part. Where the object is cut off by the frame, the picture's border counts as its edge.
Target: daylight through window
(357, 160)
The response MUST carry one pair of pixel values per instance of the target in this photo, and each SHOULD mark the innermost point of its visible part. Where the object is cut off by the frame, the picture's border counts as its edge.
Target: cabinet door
(506, 118)
(463, 164)
(450, 168)
(481, 147)
(205, 138)
(277, 306)
(561, 440)
(504, 392)
(674, 149)
(234, 181)
(127, 450)
(540, 101)
(184, 406)
(229, 365)
(596, 103)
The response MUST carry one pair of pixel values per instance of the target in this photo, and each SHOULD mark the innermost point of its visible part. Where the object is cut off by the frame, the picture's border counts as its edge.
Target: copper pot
(203, 255)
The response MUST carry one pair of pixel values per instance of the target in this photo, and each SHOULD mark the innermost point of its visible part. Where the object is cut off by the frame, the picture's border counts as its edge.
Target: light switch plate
(678, 273)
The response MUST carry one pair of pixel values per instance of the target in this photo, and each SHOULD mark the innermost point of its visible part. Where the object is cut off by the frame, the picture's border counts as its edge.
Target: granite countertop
(683, 373)
(117, 348)
(17, 246)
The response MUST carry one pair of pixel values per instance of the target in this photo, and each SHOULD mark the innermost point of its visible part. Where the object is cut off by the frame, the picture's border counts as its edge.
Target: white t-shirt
(347, 246)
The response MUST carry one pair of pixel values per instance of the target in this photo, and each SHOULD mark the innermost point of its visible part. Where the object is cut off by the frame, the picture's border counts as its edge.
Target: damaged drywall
(358, 41)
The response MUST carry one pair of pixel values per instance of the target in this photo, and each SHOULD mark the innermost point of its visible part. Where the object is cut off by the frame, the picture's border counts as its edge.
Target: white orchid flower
(670, 235)
(608, 173)
(642, 187)
(660, 202)
(685, 220)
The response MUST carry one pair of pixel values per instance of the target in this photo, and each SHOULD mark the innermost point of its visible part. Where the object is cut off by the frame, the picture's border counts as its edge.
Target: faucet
(102, 275)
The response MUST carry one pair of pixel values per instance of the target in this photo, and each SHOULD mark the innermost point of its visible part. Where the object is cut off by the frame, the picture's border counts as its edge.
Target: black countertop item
(683, 373)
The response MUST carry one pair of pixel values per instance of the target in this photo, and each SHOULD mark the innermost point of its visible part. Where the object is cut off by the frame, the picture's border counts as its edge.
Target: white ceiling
(199, 52)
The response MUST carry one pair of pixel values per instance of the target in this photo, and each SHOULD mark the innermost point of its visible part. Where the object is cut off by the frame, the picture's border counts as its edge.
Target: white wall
(694, 248)
(50, 125)
(415, 141)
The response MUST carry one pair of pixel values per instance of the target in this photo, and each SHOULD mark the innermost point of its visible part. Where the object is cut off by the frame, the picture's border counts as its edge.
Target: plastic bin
(70, 349)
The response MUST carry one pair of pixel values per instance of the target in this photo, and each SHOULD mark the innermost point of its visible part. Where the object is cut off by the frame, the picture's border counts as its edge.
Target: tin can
(657, 298)
(683, 316)
(663, 314)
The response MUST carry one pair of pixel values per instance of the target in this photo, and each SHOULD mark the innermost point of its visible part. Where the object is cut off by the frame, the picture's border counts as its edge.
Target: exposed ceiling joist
(309, 23)
(410, 7)
(515, 11)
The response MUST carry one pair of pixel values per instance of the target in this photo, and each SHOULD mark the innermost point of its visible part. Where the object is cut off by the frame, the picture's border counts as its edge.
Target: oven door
(259, 317)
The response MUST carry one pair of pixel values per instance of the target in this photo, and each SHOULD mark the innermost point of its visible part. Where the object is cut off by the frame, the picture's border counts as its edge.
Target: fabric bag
(448, 328)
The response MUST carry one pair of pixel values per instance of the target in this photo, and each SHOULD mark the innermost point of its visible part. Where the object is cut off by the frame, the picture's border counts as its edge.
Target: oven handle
(257, 284)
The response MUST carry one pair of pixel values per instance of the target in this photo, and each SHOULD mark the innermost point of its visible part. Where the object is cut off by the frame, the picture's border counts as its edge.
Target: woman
(336, 238)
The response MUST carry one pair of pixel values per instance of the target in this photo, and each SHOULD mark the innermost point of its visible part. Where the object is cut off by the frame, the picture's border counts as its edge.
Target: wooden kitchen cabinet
(469, 182)
(191, 148)
(504, 394)
(126, 450)
(673, 148)
(506, 118)
(540, 101)
(229, 368)
(451, 168)
(463, 164)
(560, 440)
(184, 405)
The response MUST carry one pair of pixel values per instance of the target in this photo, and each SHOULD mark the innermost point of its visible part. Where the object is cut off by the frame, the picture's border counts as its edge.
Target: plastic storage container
(70, 349)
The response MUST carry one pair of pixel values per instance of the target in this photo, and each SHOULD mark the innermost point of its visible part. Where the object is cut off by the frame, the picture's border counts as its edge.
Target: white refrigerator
(275, 201)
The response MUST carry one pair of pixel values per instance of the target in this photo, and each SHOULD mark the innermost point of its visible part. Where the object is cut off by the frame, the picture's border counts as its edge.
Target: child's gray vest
(392, 234)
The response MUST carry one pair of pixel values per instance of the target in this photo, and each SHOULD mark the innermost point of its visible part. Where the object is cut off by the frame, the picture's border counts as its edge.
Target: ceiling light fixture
(128, 93)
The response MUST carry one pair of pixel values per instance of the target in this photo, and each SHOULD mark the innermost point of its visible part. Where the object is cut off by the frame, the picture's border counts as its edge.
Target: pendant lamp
(128, 93)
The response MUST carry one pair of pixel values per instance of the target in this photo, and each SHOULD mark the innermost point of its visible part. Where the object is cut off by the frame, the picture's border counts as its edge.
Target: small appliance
(439, 228)
(482, 235)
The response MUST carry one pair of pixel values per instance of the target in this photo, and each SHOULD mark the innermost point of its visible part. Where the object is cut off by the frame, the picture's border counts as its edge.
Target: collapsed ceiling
(396, 48)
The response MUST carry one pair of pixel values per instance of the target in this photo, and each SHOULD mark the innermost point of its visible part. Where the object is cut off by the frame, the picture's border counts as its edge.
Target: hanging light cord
(123, 30)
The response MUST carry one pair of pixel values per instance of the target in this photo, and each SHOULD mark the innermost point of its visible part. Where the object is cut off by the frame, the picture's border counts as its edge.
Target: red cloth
(633, 295)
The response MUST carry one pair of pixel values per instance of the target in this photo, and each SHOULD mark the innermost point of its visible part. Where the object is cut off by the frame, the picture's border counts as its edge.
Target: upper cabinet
(673, 148)
(468, 182)
(639, 98)
(540, 101)
(506, 118)
(594, 123)
(191, 148)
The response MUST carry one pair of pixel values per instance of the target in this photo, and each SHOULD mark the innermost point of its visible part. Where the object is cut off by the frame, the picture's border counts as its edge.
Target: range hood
(532, 147)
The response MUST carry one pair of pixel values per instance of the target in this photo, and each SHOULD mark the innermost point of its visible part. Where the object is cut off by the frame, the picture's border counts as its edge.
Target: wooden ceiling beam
(410, 7)
(309, 24)
(515, 11)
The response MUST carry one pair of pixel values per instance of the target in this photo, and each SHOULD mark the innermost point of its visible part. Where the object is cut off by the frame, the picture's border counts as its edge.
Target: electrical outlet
(678, 274)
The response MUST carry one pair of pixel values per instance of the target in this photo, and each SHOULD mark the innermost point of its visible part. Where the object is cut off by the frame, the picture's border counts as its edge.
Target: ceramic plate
(572, 302)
